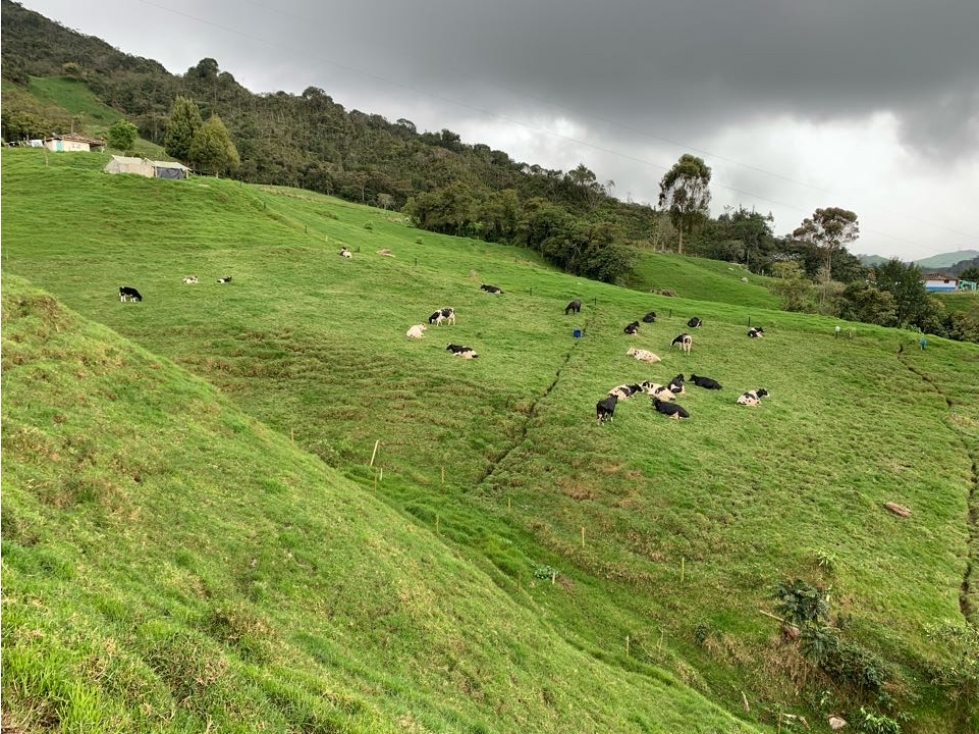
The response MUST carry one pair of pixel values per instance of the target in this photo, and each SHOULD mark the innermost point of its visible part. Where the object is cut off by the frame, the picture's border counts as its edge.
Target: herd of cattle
(663, 396)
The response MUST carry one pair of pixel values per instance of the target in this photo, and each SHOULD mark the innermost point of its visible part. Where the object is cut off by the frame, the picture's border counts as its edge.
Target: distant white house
(146, 167)
(73, 142)
(941, 283)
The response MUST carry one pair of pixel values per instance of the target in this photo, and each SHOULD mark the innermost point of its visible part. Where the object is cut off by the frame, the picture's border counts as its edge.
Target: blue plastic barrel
(576, 333)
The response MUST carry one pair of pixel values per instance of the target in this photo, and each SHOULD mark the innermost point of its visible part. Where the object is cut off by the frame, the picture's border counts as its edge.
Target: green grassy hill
(664, 538)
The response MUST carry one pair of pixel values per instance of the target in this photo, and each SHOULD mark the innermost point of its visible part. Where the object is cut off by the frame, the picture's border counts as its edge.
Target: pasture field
(667, 534)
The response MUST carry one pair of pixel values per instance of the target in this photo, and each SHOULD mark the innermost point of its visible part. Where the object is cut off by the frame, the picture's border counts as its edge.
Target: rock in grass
(898, 509)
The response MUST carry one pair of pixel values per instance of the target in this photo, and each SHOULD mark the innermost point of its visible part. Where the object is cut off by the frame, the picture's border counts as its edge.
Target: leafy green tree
(862, 302)
(830, 230)
(212, 149)
(970, 273)
(122, 135)
(914, 306)
(182, 126)
(684, 193)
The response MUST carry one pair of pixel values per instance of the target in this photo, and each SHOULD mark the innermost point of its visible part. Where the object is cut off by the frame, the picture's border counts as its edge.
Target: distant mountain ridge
(944, 260)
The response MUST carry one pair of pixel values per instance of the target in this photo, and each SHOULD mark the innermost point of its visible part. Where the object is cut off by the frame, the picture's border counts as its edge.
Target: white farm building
(146, 167)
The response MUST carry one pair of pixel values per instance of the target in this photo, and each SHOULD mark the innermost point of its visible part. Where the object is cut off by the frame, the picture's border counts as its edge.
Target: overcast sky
(870, 105)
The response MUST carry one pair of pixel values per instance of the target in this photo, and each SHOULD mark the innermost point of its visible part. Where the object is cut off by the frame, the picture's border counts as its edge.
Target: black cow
(632, 328)
(573, 307)
(695, 323)
(705, 382)
(129, 294)
(226, 279)
(605, 409)
(491, 289)
(676, 385)
(650, 318)
(671, 409)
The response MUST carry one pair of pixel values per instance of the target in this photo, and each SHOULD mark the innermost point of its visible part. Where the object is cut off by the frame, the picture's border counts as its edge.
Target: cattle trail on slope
(969, 612)
(531, 414)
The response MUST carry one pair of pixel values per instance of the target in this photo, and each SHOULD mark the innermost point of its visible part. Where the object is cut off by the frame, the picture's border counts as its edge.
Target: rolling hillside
(618, 571)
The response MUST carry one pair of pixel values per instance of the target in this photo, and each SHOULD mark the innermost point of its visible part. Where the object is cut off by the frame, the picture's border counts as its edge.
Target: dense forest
(445, 185)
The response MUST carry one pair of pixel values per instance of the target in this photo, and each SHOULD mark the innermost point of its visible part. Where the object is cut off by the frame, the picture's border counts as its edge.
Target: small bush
(801, 603)
(369, 226)
(701, 632)
(545, 572)
(872, 723)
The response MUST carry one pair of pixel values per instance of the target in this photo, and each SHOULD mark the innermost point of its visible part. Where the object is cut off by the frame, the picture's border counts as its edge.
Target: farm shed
(941, 283)
(146, 167)
(73, 142)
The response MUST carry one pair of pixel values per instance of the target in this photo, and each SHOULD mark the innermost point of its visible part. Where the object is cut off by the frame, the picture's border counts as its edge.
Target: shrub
(801, 603)
(872, 723)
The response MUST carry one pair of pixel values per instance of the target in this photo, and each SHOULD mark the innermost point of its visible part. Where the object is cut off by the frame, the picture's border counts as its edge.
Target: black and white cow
(491, 289)
(443, 314)
(190, 280)
(461, 351)
(753, 397)
(670, 409)
(226, 279)
(650, 318)
(632, 328)
(129, 294)
(695, 323)
(605, 409)
(705, 382)
(676, 385)
(624, 392)
(755, 331)
(685, 341)
(662, 392)
(573, 307)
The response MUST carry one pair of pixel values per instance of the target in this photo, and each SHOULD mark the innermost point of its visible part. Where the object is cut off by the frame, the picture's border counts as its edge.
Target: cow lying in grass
(695, 323)
(705, 382)
(129, 294)
(676, 385)
(190, 279)
(755, 332)
(461, 351)
(662, 392)
(417, 331)
(643, 356)
(491, 289)
(632, 328)
(443, 314)
(225, 279)
(573, 307)
(344, 252)
(624, 392)
(605, 409)
(650, 318)
(685, 341)
(753, 397)
(670, 409)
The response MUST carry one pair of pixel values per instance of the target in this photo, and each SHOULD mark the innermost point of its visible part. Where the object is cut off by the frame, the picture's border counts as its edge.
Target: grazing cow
(705, 382)
(491, 289)
(650, 318)
(129, 294)
(573, 307)
(605, 409)
(676, 385)
(755, 331)
(344, 252)
(385, 253)
(443, 314)
(643, 356)
(752, 397)
(632, 328)
(416, 331)
(658, 391)
(695, 323)
(226, 279)
(190, 279)
(685, 341)
(670, 409)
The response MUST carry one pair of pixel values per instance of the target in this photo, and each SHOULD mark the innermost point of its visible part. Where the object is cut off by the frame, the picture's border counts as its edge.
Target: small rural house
(146, 167)
(941, 283)
(73, 142)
